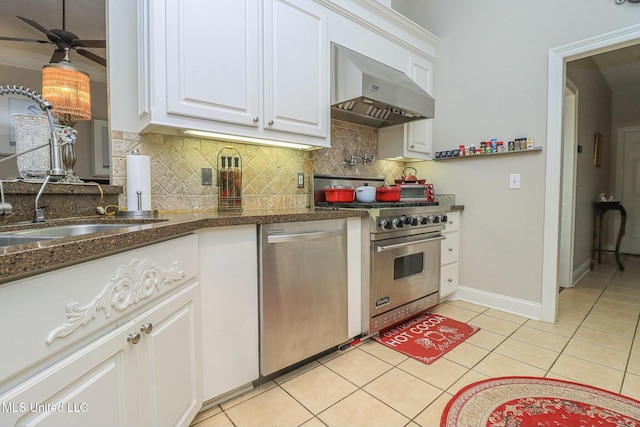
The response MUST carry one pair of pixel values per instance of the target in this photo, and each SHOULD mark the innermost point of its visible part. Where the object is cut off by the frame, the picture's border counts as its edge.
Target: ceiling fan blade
(17, 39)
(37, 26)
(58, 55)
(92, 56)
(90, 43)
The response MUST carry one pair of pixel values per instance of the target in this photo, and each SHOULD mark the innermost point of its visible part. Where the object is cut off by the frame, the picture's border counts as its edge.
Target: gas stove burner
(374, 205)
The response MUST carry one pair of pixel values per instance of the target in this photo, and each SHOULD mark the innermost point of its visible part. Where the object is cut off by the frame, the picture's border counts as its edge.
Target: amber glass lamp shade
(68, 90)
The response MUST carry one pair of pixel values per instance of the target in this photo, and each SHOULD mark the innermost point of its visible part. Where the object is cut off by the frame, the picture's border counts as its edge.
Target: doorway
(558, 58)
(568, 203)
(628, 185)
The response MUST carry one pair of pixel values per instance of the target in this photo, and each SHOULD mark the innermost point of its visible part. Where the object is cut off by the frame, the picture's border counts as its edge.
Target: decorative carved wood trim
(131, 284)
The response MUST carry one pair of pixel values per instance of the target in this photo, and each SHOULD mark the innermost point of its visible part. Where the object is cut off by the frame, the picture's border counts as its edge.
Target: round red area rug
(539, 402)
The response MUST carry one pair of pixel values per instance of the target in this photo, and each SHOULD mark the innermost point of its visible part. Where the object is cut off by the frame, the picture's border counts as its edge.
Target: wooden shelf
(478, 156)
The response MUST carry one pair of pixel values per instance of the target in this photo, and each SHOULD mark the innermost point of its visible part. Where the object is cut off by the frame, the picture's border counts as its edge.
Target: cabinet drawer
(52, 311)
(453, 221)
(449, 251)
(449, 283)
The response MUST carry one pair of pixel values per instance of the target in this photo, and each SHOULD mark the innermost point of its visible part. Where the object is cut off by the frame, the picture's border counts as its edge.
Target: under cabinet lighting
(246, 140)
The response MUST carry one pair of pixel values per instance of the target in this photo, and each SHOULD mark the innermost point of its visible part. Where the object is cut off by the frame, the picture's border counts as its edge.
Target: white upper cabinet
(213, 60)
(251, 68)
(410, 141)
(296, 68)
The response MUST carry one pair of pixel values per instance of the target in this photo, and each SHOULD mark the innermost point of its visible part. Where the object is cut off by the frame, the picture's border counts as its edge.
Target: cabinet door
(449, 281)
(419, 132)
(169, 361)
(229, 285)
(296, 75)
(449, 249)
(453, 222)
(96, 386)
(212, 59)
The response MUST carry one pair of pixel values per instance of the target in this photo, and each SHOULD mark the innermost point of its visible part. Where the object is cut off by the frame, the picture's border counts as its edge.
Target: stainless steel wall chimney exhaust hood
(370, 93)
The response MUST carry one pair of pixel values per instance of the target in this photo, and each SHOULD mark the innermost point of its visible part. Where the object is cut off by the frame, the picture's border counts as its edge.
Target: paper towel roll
(138, 179)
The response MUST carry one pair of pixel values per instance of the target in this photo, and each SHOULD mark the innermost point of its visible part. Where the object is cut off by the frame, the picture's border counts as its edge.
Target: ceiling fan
(64, 41)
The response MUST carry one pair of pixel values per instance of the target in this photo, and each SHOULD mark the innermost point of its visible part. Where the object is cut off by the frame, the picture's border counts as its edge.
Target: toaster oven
(416, 192)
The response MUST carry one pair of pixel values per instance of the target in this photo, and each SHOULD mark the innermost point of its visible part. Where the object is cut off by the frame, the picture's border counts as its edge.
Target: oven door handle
(283, 238)
(380, 248)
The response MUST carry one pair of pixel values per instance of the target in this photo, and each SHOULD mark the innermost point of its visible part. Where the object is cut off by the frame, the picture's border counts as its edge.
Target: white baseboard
(532, 310)
(581, 271)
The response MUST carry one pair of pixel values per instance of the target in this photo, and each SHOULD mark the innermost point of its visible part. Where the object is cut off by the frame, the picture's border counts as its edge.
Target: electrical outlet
(206, 176)
(514, 181)
(300, 183)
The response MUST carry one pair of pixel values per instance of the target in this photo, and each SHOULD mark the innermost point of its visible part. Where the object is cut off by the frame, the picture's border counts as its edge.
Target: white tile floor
(595, 341)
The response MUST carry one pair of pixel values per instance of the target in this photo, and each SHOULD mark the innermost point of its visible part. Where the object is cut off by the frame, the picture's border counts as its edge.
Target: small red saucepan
(387, 194)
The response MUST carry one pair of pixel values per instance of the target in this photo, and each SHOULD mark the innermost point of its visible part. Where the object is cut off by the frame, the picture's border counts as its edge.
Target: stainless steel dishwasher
(303, 291)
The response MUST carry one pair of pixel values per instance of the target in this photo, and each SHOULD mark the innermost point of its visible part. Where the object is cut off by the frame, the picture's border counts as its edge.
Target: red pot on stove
(339, 195)
(387, 194)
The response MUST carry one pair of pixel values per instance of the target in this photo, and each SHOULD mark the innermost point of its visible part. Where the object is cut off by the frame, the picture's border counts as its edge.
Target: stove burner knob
(443, 218)
(386, 224)
(421, 220)
(398, 222)
(436, 219)
(413, 221)
(431, 219)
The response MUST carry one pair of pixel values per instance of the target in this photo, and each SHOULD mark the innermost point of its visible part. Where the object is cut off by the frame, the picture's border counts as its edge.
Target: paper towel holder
(138, 213)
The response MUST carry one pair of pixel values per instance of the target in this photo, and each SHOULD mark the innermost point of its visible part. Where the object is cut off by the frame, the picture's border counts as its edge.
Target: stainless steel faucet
(55, 149)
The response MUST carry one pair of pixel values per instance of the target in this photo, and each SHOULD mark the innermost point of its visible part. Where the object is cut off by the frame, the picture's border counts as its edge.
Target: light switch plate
(300, 180)
(514, 181)
(206, 176)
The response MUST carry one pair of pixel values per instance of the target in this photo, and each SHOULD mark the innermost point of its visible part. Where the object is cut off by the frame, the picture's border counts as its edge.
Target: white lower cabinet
(95, 386)
(450, 256)
(229, 296)
(141, 366)
(168, 358)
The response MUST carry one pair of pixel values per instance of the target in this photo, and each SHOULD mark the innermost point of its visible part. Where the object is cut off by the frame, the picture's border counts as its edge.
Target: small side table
(599, 208)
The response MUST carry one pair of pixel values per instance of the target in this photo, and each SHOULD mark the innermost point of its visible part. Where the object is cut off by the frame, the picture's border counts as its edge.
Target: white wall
(490, 81)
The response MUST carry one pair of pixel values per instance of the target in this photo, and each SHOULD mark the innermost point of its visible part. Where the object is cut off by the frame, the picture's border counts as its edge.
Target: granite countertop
(18, 261)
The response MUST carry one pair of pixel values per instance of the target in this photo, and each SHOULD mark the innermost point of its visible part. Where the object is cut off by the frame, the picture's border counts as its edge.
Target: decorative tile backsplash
(268, 176)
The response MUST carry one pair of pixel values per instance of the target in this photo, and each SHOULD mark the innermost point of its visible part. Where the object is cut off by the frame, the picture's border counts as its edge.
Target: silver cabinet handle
(270, 123)
(147, 328)
(134, 338)
(450, 249)
(449, 280)
(256, 119)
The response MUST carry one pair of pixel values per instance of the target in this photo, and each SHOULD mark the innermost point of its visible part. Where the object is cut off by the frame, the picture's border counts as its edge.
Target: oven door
(403, 270)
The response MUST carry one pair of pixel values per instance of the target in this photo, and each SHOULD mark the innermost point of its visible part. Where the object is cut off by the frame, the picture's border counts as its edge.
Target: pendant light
(68, 90)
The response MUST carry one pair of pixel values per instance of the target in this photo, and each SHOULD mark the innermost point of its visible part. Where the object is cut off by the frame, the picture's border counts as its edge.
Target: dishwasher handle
(380, 248)
(298, 237)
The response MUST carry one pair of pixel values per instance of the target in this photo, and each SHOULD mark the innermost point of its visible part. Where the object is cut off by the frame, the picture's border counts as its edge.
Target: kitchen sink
(19, 237)
(11, 240)
(70, 230)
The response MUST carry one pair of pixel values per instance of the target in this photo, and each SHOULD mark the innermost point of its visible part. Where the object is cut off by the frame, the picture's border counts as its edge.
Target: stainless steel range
(402, 266)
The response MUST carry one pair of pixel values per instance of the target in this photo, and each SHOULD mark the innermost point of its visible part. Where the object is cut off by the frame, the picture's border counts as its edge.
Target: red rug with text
(529, 401)
(426, 337)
